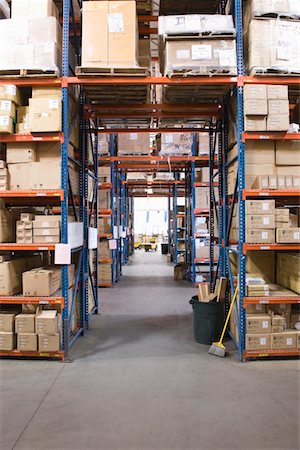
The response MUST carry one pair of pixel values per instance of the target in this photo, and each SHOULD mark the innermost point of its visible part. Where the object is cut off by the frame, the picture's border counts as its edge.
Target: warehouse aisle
(140, 382)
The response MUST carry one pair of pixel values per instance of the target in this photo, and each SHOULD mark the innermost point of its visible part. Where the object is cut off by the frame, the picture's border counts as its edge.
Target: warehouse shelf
(33, 193)
(204, 261)
(278, 300)
(28, 247)
(250, 193)
(149, 80)
(16, 353)
(19, 300)
(37, 137)
(276, 247)
(270, 353)
(105, 235)
(274, 136)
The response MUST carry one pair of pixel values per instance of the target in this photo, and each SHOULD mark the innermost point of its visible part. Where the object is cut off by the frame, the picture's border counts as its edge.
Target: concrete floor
(140, 382)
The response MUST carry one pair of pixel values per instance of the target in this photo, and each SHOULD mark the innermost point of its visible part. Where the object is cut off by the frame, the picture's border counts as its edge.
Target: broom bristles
(216, 350)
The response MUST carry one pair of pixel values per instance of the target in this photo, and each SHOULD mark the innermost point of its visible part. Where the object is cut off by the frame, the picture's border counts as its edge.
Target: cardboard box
(278, 122)
(11, 275)
(18, 152)
(7, 108)
(46, 239)
(265, 207)
(33, 9)
(255, 123)
(133, 143)
(45, 114)
(277, 92)
(6, 225)
(48, 343)
(7, 322)
(282, 212)
(258, 323)
(177, 143)
(298, 339)
(22, 114)
(255, 107)
(255, 91)
(260, 236)
(25, 323)
(288, 270)
(42, 281)
(6, 125)
(273, 182)
(258, 341)
(10, 92)
(256, 8)
(256, 309)
(46, 232)
(43, 221)
(287, 153)
(45, 175)
(278, 320)
(19, 176)
(21, 225)
(261, 182)
(260, 221)
(278, 107)
(7, 341)
(288, 235)
(117, 20)
(281, 181)
(27, 342)
(46, 322)
(260, 152)
(296, 181)
(27, 217)
(202, 200)
(195, 23)
(201, 55)
(285, 340)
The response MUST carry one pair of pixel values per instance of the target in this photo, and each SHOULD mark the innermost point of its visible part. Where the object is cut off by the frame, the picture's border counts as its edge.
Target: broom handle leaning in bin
(229, 314)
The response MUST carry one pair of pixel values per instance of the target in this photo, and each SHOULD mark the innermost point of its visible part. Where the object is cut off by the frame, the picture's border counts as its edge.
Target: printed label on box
(11, 89)
(263, 341)
(201, 52)
(283, 51)
(265, 324)
(227, 57)
(112, 243)
(43, 114)
(265, 206)
(5, 105)
(289, 341)
(168, 138)
(4, 120)
(53, 104)
(115, 23)
(183, 54)
(264, 235)
(133, 136)
(296, 235)
(266, 220)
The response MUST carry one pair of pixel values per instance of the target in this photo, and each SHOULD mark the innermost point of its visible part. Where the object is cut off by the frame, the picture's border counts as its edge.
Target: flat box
(277, 92)
(24, 233)
(46, 224)
(261, 182)
(285, 340)
(45, 31)
(46, 232)
(7, 108)
(48, 343)
(255, 123)
(26, 217)
(42, 281)
(27, 342)
(260, 207)
(281, 224)
(195, 23)
(118, 23)
(278, 328)
(6, 125)
(7, 322)
(24, 240)
(22, 114)
(273, 182)
(278, 320)
(258, 323)
(260, 152)
(7, 341)
(25, 323)
(278, 122)
(260, 221)
(46, 92)
(255, 107)
(264, 7)
(19, 176)
(10, 276)
(281, 181)
(278, 107)
(296, 181)
(33, 9)
(258, 341)
(24, 225)
(282, 212)
(45, 115)
(288, 236)
(20, 152)
(10, 92)
(46, 239)
(261, 236)
(201, 55)
(255, 91)
(287, 153)
(256, 309)
(45, 175)
(46, 322)
(133, 143)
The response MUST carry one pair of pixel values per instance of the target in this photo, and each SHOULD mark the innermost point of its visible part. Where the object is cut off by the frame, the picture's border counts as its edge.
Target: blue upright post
(175, 254)
(193, 217)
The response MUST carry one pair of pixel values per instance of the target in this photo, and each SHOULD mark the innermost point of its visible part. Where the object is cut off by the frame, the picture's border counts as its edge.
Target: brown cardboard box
(48, 343)
(287, 153)
(11, 275)
(202, 198)
(33, 9)
(46, 92)
(255, 91)
(278, 107)
(117, 21)
(265, 207)
(7, 108)
(258, 323)
(260, 221)
(260, 152)
(284, 340)
(255, 123)
(288, 235)
(288, 270)
(45, 114)
(7, 341)
(278, 320)
(281, 181)
(296, 181)
(258, 341)
(6, 125)
(103, 250)
(178, 143)
(46, 239)
(282, 212)
(256, 309)
(25, 323)
(19, 176)
(45, 175)
(27, 342)
(22, 225)
(133, 143)
(262, 236)
(42, 281)
(26, 217)
(48, 152)
(46, 322)
(278, 122)
(41, 232)
(261, 182)
(17, 152)
(10, 92)
(103, 199)
(104, 225)
(273, 182)
(288, 181)
(277, 92)
(255, 107)
(7, 322)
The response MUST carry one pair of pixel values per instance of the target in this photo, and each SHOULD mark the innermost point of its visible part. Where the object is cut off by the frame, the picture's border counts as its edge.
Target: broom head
(217, 349)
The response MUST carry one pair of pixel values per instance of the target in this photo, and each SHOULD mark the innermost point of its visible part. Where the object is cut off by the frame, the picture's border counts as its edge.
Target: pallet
(29, 73)
(271, 72)
(111, 72)
(210, 72)
(200, 35)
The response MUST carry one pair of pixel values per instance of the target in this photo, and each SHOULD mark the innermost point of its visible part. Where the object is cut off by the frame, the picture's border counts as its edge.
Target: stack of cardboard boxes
(24, 229)
(202, 198)
(266, 108)
(133, 144)
(46, 229)
(9, 100)
(174, 144)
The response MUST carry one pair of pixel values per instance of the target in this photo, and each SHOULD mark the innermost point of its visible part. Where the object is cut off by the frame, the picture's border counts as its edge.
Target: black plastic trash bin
(208, 320)
(164, 248)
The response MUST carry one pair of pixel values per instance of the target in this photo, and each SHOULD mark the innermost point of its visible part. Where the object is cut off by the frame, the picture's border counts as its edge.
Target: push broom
(217, 348)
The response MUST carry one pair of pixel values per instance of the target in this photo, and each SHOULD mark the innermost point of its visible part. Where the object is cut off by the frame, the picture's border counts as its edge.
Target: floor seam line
(38, 407)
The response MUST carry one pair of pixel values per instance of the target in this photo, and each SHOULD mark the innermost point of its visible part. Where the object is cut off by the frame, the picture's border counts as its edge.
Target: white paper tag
(11, 89)
(4, 120)
(62, 254)
(93, 238)
(133, 136)
(112, 243)
(183, 54)
(266, 220)
(5, 105)
(227, 57)
(263, 341)
(289, 341)
(116, 232)
(53, 103)
(265, 206)
(296, 235)
(115, 23)
(265, 324)
(168, 138)
(264, 235)
(284, 51)
(201, 52)
(44, 115)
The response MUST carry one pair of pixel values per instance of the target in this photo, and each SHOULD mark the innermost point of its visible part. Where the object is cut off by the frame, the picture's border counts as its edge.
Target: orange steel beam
(139, 80)
(275, 135)
(33, 193)
(15, 300)
(216, 107)
(38, 137)
(248, 247)
(146, 18)
(270, 300)
(150, 130)
(270, 193)
(29, 247)
(148, 31)
(156, 115)
(154, 158)
(270, 80)
(32, 81)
